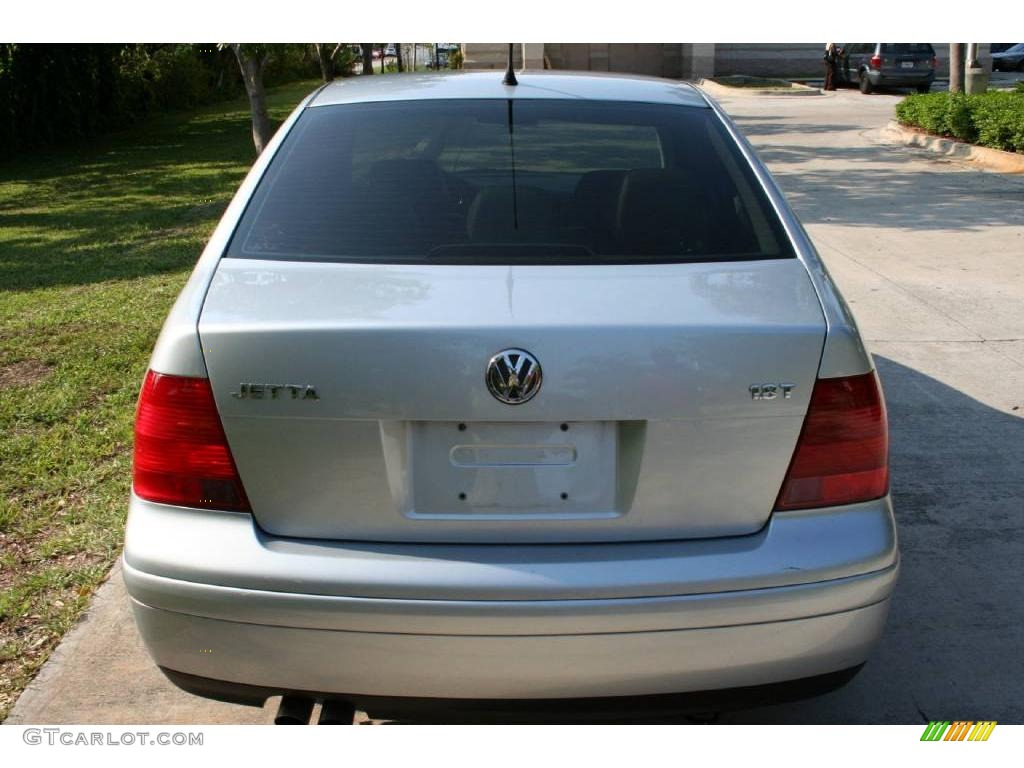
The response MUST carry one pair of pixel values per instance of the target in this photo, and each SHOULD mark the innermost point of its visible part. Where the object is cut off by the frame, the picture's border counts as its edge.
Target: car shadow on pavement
(956, 626)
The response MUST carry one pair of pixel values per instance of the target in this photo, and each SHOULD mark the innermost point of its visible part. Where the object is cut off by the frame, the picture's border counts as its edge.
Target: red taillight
(181, 453)
(876, 62)
(842, 455)
(935, 62)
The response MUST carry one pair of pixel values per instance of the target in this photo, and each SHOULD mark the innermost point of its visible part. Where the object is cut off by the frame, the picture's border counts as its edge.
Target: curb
(42, 689)
(724, 90)
(991, 159)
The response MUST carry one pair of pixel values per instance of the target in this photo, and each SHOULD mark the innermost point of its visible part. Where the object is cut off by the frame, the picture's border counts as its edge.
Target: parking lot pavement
(930, 255)
(996, 80)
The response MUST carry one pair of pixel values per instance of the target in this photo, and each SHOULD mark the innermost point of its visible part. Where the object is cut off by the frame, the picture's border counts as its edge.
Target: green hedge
(994, 119)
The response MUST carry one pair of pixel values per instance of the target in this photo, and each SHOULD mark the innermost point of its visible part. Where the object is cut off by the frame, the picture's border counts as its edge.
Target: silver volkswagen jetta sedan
(486, 396)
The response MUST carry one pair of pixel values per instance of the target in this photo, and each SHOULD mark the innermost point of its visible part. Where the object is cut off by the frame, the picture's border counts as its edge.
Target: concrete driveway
(931, 256)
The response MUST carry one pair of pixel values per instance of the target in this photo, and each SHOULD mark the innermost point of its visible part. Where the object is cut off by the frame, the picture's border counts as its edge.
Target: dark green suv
(888, 65)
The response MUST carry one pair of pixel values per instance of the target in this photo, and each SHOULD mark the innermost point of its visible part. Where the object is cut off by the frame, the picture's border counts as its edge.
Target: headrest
(597, 195)
(492, 215)
(661, 210)
(407, 175)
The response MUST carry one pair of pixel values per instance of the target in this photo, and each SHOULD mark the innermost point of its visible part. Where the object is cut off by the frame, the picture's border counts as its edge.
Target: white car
(491, 398)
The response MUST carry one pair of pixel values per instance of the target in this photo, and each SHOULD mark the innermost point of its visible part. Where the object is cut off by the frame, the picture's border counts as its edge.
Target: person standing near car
(831, 62)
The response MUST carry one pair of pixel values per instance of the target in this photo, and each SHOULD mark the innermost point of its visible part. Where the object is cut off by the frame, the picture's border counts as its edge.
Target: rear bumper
(359, 664)
(898, 79)
(575, 710)
(216, 599)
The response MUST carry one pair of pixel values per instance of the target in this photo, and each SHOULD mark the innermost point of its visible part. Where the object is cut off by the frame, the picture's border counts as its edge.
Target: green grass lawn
(95, 244)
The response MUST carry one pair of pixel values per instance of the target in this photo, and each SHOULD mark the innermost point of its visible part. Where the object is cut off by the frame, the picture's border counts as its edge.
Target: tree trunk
(251, 63)
(367, 49)
(956, 67)
(326, 64)
(398, 57)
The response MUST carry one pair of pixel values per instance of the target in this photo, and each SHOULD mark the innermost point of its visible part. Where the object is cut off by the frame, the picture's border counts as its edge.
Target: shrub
(907, 111)
(994, 119)
(959, 119)
(1000, 121)
(345, 60)
(289, 62)
(151, 78)
(927, 111)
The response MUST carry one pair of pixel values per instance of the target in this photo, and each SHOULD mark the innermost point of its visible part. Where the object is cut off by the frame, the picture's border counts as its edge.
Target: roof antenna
(510, 76)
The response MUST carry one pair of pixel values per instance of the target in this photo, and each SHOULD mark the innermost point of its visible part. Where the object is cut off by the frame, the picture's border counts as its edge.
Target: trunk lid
(374, 420)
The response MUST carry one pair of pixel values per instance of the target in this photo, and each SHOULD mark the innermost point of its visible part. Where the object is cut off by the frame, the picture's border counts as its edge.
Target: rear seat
(492, 219)
(532, 215)
(596, 199)
(663, 212)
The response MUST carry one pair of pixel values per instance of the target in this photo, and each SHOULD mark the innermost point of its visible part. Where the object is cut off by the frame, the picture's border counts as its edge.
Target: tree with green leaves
(327, 56)
(252, 59)
(367, 49)
(326, 60)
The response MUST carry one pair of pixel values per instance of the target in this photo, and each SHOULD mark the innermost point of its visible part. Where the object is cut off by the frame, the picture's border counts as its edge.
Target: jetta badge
(251, 390)
(513, 376)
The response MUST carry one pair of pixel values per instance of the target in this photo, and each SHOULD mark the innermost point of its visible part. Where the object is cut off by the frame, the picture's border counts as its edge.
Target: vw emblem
(513, 376)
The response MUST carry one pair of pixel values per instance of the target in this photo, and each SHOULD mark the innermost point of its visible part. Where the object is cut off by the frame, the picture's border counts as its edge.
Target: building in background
(674, 60)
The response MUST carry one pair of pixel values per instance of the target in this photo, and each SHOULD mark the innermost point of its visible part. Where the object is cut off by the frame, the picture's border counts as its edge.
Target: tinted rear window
(497, 181)
(924, 49)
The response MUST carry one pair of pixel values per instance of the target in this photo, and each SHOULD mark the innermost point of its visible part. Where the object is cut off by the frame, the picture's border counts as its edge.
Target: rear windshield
(911, 48)
(500, 181)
